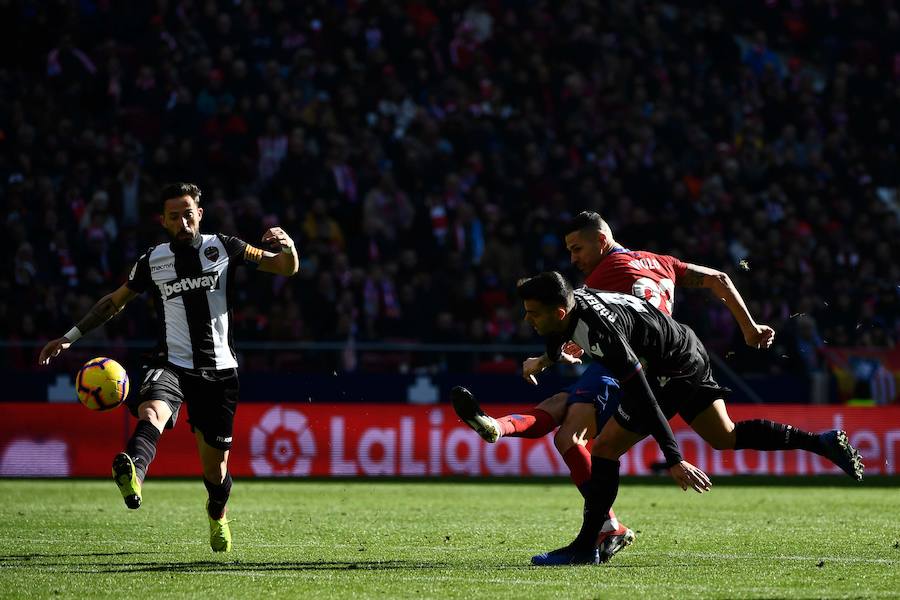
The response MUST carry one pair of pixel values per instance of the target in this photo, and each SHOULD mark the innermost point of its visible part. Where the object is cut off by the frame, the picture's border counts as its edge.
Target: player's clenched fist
(277, 237)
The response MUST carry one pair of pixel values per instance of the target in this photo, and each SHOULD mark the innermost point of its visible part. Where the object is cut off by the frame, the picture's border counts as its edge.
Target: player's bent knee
(604, 448)
(577, 428)
(154, 416)
(555, 406)
(564, 440)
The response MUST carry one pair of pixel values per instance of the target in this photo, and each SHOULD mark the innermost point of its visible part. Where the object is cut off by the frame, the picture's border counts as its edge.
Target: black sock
(761, 434)
(142, 447)
(218, 496)
(600, 494)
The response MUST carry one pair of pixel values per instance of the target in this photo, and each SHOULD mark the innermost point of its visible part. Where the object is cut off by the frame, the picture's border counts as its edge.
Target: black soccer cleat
(839, 451)
(126, 479)
(467, 409)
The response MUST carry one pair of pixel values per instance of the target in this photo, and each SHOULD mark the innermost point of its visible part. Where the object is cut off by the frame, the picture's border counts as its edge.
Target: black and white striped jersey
(192, 292)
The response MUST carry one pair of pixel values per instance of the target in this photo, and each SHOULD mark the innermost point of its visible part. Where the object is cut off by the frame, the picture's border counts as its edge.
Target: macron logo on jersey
(206, 282)
(645, 263)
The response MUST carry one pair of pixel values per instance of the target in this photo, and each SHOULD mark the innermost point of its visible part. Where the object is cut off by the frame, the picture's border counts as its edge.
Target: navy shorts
(596, 386)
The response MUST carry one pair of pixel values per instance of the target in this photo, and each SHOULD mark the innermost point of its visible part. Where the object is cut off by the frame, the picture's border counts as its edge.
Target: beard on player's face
(182, 236)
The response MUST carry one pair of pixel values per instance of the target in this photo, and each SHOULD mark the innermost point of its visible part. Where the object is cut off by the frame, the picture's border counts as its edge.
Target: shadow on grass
(24, 558)
(262, 567)
(211, 566)
(214, 566)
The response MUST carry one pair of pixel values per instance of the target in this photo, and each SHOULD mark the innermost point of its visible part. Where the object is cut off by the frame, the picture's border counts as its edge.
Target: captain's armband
(253, 254)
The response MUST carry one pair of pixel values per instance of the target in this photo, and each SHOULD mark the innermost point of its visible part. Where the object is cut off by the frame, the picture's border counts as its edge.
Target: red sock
(532, 423)
(578, 459)
(579, 462)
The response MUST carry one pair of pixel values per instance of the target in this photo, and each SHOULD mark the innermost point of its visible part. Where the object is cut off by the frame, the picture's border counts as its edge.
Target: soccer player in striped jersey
(583, 408)
(675, 377)
(191, 279)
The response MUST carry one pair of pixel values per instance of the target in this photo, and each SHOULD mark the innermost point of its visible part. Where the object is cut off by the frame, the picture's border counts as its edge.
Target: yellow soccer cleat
(219, 534)
(126, 478)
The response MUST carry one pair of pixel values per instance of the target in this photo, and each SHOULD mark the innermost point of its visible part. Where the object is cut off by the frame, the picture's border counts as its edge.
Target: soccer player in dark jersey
(617, 329)
(583, 408)
(191, 279)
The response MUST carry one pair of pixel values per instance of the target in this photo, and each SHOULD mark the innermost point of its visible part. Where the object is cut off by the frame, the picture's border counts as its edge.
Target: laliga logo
(282, 444)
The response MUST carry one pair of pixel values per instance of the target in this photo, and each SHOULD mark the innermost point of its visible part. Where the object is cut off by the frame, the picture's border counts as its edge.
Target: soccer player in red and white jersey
(583, 408)
(653, 277)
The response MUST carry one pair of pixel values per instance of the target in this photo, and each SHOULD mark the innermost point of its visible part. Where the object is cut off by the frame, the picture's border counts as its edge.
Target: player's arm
(538, 364)
(684, 473)
(638, 401)
(286, 262)
(105, 309)
(720, 284)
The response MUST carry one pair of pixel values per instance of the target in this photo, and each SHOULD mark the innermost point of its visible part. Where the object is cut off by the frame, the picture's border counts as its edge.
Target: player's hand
(689, 476)
(52, 350)
(277, 237)
(573, 349)
(761, 336)
(532, 366)
(568, 359)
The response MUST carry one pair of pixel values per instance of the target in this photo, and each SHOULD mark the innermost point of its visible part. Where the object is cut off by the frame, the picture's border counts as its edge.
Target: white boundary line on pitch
(727, 556)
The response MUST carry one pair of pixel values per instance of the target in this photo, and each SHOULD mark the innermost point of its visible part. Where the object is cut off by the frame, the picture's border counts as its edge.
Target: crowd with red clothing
(426, 154)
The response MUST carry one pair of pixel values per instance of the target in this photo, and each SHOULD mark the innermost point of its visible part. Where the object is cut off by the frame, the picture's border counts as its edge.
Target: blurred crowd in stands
(425, 155)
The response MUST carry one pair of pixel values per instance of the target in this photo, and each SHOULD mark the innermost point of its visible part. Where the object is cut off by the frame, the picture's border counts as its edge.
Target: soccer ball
(101, 384)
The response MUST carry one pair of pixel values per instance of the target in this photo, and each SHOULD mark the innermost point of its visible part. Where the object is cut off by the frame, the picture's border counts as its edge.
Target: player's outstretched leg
(129, 468)
(468, 410)
(716, 427)
(838, 450)
(762, 434)
(127, 480)
(533, 423)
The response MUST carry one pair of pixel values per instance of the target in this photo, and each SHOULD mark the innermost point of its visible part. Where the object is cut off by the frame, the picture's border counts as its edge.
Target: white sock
(609, 525)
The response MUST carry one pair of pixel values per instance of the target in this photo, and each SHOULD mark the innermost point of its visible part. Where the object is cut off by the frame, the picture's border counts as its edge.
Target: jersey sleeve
(240, 252)
(678, 266)
(554, 346)
(139, 278)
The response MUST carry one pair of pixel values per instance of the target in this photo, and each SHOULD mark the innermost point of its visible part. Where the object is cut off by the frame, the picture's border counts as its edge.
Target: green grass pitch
(342, 539)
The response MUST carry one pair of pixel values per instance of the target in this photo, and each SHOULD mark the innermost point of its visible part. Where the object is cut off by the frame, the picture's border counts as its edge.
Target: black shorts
(211, 398)
(687, 394)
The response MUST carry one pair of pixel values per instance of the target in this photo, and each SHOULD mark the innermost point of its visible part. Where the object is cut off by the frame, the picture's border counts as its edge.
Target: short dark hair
(549, 288)
(587, 220)
(177, 190)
